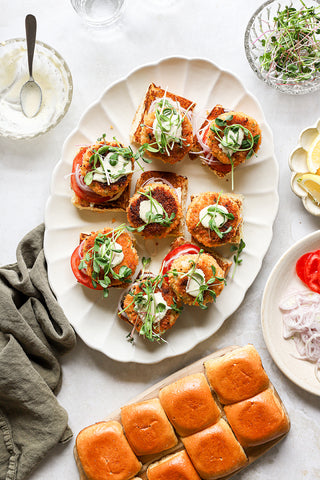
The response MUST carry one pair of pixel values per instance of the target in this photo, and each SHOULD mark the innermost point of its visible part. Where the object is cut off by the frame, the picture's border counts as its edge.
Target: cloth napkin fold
(33, 333)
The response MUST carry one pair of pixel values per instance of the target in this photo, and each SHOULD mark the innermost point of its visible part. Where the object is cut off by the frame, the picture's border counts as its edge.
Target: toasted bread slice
(178, 182)
(153, 93)
(223, 262)
(235, 240)
(117, 205)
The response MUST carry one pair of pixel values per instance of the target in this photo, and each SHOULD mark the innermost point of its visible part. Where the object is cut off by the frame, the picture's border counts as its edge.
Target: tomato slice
(300, 265)
(214, 163)
(308, 270)
(81, 277)
(90, 197)
(312, 271)
(185, 249)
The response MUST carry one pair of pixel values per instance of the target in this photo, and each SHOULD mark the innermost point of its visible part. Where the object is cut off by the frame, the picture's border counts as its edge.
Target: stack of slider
(208, 423)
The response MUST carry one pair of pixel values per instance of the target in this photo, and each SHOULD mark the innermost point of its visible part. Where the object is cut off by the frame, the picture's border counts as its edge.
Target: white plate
(298, 166)
(283, 280)
(93, 317)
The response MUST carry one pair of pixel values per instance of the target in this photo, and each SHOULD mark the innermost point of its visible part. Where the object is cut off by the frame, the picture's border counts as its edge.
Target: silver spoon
(30, 94)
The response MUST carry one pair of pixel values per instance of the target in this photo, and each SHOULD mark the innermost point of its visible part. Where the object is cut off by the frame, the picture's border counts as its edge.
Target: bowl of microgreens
(282, 45)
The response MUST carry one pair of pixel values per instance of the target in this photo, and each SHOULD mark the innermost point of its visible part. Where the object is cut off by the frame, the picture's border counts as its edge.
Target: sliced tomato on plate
(185, 249)
(81, 277)
(308, 270)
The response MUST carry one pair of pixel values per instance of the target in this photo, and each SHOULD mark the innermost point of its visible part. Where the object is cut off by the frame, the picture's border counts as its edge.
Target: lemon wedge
(313, 158)
(311, 183)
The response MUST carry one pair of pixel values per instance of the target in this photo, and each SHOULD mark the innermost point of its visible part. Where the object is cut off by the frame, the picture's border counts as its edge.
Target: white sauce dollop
(116, 257)
(156, 299)
(147, 206)
(172, 128)
(218, 216)
(123, 165)
(194, 282)
(235, 138)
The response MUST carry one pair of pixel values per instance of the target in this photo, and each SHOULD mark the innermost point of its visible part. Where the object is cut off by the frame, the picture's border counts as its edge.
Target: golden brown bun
(147, 428)
(215, 451)
(189, 404)
(237, 375)
(258, 419)
(173, 467)
(138, 133)
(98, 456)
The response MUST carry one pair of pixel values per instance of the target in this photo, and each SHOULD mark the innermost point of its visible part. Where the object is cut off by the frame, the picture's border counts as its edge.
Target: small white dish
(298, 166)
(283, 280)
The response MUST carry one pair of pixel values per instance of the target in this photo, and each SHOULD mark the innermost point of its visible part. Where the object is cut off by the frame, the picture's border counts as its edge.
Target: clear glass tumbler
(98, 13)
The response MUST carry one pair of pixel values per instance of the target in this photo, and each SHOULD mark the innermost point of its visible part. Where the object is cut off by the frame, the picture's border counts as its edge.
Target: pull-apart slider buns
(173, 467)
(189, 404)
(147, 427)
(237, 375)
(258, 420)
(215, 452)
(105, 454)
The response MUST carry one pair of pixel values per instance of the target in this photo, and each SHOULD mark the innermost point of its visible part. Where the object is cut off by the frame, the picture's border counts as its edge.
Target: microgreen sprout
(167, 126)
(116, 156)
(149, 310)
(238, 249)
(101, 256)
(156, 214)
(291, 45)
(213, 212)
(203, 285)
(233, 138)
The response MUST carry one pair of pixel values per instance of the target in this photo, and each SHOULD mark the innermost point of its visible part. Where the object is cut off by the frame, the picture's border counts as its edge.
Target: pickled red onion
(301, 321)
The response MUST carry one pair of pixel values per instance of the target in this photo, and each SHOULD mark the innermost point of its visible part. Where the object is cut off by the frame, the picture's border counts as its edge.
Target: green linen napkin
(33, 333)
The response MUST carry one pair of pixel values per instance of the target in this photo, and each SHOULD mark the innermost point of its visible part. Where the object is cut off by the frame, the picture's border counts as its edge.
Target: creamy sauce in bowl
(52, 74)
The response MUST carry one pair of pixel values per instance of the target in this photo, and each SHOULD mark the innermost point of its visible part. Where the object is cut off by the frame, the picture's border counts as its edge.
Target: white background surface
(94, 385)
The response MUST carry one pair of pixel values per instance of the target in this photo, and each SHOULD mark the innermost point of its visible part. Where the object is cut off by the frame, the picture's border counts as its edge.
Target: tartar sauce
(194, 282)
(234, 138)
(217, 215)
(123, 165)
(157, 299)
(147, 206)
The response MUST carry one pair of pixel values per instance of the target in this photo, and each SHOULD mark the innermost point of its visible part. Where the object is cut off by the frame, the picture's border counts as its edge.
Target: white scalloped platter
(298, 165)
(93, 317)
(282, 281)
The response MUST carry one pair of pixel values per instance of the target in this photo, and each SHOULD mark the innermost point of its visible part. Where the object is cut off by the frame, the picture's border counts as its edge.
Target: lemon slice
(313, 158)
(311, 183)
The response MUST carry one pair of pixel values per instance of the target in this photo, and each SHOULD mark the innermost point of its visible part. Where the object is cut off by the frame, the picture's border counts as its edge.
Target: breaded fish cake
(130, 256)
(180, 282)
(113, 187)
(238, 118)
(226, 219)
(178, 150)
(134, 314)
(170, 208)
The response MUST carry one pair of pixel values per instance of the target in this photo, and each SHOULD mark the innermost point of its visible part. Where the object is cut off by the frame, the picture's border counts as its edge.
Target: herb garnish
(234, 138)
(127, 154)
(101, 256)
(212, 212)
(204, 286)
(291, 45)
(167, 126)
(237, 248)
(145, 304)
(156, 214)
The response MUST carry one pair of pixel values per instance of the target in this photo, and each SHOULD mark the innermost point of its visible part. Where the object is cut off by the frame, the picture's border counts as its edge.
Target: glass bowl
(53, 75)
(261, 27)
